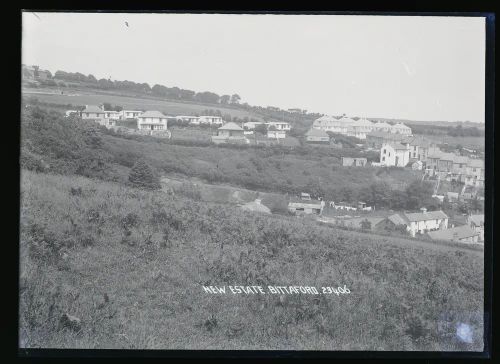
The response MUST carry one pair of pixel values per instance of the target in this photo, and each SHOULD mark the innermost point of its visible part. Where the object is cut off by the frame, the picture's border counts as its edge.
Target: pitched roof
(93, 109)
(396, 146)
(256, 206)
(400, 126)
(455, 233)
(423, 216)
(476, 163)
(317, 133)
(382, 124)
(362, 122)
(231, 126)
(386, 135)
(294, 199)
(152, 114)
(397, 219)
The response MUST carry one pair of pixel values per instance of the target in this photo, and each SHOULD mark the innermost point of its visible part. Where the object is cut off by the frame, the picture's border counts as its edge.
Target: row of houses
(359, 128)
(146, 120)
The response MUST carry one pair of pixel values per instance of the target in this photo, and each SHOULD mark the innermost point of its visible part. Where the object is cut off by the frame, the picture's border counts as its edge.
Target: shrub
(142, 176)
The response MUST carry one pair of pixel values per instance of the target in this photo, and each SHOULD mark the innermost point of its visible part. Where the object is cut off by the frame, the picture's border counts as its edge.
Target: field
(130, 265)
(477, 143)
(174, 108)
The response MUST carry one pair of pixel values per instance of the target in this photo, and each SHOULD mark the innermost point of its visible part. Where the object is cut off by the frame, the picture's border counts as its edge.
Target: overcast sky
(420, 68)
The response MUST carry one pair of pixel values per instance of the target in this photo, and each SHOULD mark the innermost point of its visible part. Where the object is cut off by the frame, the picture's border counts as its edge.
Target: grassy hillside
(130, 264)
(67, 145)
(86, 97)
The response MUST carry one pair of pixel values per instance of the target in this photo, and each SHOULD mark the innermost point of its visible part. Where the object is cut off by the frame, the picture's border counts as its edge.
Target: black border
(404, 9)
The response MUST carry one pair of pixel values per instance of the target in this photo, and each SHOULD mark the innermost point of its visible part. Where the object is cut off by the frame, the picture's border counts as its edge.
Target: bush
(142, 176)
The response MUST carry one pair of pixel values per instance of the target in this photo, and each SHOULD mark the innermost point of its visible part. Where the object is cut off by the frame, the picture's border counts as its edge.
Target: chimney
(423, 209)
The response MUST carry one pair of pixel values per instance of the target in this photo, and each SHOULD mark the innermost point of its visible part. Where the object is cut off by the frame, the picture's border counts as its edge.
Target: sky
(418, 68)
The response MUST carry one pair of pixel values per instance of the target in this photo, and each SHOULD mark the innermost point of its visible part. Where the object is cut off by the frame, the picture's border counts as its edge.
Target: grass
(83, 240)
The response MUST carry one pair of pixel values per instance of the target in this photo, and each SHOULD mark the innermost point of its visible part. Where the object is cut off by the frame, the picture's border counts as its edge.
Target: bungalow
(421, 222)
(279, 125)
(476, 223)
(400, 128)
(317, 136)
(230, 133)
(394, 154)
(152, 120)
(191, 120)
(129, 114)
(382, 127)
(303, 206)
(463, 234)
(353, 162)
(210, 120)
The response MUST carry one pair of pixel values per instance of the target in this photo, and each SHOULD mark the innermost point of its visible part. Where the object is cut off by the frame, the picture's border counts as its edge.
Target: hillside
(73, 146)
(142, 258)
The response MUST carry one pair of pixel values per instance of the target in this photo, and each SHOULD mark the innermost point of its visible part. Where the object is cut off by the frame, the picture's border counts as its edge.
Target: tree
(235, 99)
(261, 128)
(142, 176)
(224, 99)
(419, 194)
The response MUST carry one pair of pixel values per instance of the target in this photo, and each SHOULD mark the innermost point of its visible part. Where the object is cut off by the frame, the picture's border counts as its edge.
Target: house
(353, 162)
(330, 123)
(375, 139)
(35, 73)
(256, 206)
(462, 234)
(375, 223)
(317, 136)
(230, 133)
(191, 120)
(250, 125)
(394, 154)
(358, 128)
(475, 173)
(129, 114)
(419, 147)
(303, 206)
(400, 128)
(382, 127)
(210, 120)
(92, 112)
(276, 134)
(72, 112)
(152, 120)
(476, 223)
(115, 115)
(281, 125)
(421, 222)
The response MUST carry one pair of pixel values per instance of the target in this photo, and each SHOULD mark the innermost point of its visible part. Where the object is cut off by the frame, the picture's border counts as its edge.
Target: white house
(250, 125)
(394, 154)
(462, 234)
(400, 128)
(92, 112)
(152, 120)
(129, 114)
(276, 134)
(72, 112)
(421, 222)
(279, 125)
(97, 114)
(476, 223)
(382, 126)
(115, 115)
(192, 120)
(210, 120)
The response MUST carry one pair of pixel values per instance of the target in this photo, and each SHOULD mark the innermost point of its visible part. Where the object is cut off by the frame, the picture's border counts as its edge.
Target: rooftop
(455, 233)
(231, 126)
(317, 133)
(152, 114)
(428, 215)
(93, 109)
